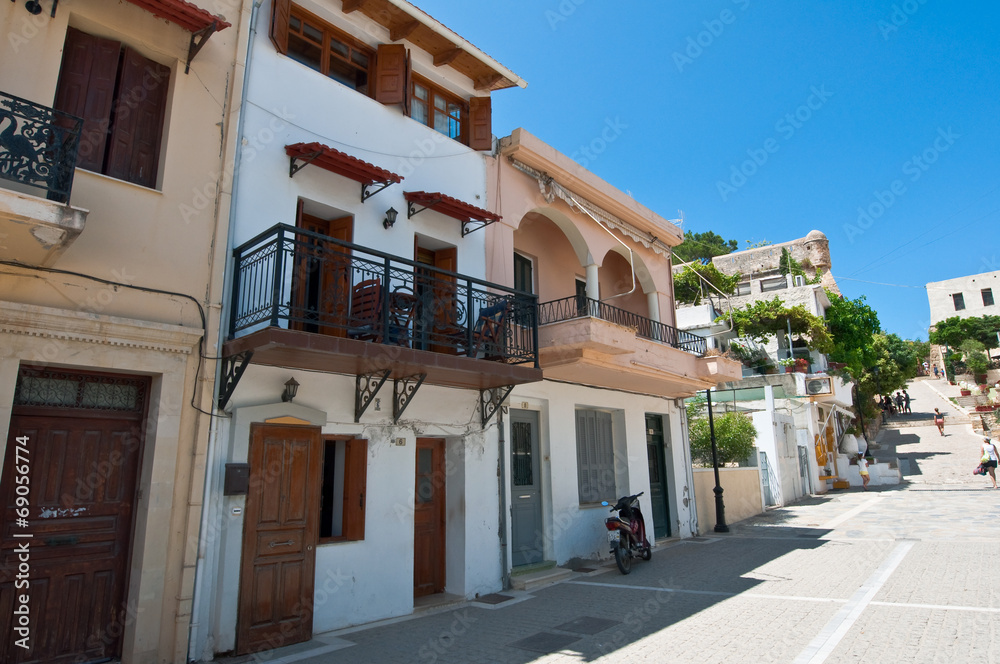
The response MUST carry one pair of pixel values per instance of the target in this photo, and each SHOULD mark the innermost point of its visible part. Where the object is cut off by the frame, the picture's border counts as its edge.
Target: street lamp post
(720, 506)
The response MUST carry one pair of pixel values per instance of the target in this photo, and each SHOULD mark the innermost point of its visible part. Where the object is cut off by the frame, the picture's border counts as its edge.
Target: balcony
(38, 147)
(590, 342)
(305, 300)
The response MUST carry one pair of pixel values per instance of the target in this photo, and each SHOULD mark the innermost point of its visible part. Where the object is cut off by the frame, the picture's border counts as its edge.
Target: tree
(974, 357)
(735, 435)
(886, 372)
(953, 331)
(704, 247)
(764, 318)
(689, 288)
(853, 325)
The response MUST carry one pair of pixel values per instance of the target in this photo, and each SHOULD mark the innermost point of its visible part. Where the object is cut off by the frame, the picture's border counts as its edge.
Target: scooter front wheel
(623, 558)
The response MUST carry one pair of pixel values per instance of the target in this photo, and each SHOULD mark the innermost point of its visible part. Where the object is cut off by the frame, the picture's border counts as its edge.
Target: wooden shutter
(281, 14)
(355, 481)
(595, 456)
(391, 74)
(480, 123)
(137, 126)
(86, 89)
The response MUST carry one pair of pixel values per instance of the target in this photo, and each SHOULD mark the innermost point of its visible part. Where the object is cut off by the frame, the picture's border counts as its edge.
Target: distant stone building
(971, 296)
(762, 264)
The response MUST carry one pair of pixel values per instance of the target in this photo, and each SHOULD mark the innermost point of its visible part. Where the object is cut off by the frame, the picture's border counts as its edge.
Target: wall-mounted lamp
(291, 389)
(390, 218)
(34, 7)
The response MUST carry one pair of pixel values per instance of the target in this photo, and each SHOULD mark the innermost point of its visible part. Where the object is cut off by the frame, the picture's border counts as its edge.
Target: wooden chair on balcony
(366, 311)
(490, 334)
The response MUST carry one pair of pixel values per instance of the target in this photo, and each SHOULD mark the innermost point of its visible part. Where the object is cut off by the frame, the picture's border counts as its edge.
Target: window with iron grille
(959, 301)
(987, 297)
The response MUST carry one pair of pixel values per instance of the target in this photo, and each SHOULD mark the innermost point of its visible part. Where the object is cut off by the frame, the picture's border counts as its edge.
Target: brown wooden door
(280, 530)
(438, 298)
(82, 475)
(321, 289)
(428, 518)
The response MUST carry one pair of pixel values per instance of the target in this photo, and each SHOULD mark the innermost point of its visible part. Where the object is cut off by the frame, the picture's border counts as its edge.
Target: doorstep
(537, 576)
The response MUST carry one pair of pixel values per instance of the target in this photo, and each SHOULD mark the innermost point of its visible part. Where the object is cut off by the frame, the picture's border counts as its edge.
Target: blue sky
(875, 122)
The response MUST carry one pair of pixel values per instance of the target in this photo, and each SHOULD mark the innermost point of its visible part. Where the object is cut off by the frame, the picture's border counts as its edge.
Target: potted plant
(963, 389)
(802, 365)
(788, 363)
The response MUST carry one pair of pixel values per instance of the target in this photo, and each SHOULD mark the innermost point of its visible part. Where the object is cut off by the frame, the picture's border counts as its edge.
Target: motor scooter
(627, 532)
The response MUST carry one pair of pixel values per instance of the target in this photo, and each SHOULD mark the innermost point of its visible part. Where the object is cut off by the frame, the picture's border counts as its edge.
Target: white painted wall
(942, 305)
(358, 582)
(289, 103)
(575, 531)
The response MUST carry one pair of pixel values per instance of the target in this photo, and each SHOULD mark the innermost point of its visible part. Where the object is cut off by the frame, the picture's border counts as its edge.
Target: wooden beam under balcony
(279, 347)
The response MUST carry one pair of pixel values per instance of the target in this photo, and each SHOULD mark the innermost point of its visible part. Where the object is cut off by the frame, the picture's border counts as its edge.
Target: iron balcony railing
(38, 146)
(297, 279)
(572, 307)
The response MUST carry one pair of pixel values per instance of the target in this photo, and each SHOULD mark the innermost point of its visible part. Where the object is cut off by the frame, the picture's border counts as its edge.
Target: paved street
(908, 573)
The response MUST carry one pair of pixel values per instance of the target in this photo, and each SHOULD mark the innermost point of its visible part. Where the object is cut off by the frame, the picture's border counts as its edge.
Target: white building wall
(942, 305)
(361, 581)
(575, 531)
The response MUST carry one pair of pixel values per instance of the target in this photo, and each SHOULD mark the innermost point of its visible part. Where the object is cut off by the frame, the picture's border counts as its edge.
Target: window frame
(987, 294)
(115, 122)
(530, 268)
(353, 516)
(331, 31)
(607, 450)
(449, 97)
(958, 300)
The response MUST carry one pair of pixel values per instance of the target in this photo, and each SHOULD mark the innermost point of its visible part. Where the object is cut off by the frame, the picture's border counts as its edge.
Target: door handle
(271, 545)
(528, 496)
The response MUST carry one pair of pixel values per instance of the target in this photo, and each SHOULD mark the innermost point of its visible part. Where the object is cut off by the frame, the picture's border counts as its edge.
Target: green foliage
(888, 370)
(953, 331)
(852, 324)
(974, 356)
(688, 288)
(734, 435)
(704, 246)
(751, 356)
(764, 318)
(757, 244)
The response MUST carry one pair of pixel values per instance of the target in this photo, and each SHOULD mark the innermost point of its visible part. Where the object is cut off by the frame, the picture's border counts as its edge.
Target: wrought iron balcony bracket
(198, 40)
(230, 371)
(305, 160)
(404, 390)
(491, 399)
(366, 386)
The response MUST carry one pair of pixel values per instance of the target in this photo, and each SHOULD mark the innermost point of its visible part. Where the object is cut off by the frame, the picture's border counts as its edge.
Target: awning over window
(190, 17)
(201, 23)
(472, 218)
(337, 162)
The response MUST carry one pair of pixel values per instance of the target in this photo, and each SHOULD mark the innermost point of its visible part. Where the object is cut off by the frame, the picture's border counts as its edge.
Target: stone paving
(906, 573)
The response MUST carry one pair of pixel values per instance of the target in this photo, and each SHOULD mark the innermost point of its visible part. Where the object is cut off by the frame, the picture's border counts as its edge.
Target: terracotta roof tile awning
(472, 218)
(189, 16)
(340, 163)
(201, 23)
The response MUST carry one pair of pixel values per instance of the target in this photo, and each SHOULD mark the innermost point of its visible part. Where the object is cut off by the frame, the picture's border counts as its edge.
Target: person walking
(863, 469)
(939, 420)
(990, 459)
(906, 402)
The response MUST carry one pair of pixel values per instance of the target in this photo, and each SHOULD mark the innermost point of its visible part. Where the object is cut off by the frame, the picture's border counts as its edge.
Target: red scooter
(627, 532)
